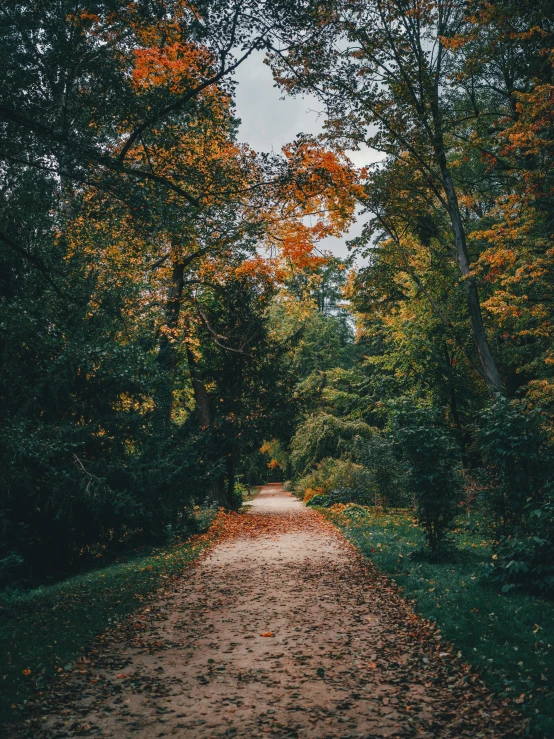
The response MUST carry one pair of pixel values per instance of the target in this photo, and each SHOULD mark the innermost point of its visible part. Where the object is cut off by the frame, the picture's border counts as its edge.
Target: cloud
(268, 122)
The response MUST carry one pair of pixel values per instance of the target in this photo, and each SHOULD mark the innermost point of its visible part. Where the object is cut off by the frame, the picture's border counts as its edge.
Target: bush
(433, 463)
(525, 559)
(241, 492)
(524, 562)
(323, 436)
(360, 496)
(331, 474)
(62, 506)
(387, 479)
(519, 459)
(519, 495)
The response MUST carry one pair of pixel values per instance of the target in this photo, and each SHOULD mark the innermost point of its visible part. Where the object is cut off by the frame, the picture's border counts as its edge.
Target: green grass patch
(508, 638)
(43, 631)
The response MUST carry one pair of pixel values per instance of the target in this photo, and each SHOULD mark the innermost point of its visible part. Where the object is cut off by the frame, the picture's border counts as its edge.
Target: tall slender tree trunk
(201, 397)
(231, 478)
(218, 492)
(166, 353)
(453, 402)
(488, 363)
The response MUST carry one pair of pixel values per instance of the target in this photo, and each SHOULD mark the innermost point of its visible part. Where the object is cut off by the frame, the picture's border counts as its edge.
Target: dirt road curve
(280, 630)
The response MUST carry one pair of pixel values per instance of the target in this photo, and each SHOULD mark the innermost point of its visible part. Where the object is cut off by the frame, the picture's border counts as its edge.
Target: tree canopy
(172, 323)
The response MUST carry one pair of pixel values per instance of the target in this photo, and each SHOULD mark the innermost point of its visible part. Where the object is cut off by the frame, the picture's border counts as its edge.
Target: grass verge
(509, 639)
(43, 631)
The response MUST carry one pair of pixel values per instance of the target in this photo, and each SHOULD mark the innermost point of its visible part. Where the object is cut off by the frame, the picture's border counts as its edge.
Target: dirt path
(282, 629)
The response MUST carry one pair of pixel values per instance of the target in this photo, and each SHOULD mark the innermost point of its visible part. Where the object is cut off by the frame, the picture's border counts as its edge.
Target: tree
(322, 436)
(385, 75)
(427, 447)
(131, 238)
(85, 85)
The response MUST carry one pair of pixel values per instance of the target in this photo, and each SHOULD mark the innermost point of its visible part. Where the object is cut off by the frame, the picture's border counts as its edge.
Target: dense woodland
(172, 328)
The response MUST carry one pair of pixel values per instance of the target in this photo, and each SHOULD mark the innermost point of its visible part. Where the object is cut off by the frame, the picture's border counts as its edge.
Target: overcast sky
(269, 122)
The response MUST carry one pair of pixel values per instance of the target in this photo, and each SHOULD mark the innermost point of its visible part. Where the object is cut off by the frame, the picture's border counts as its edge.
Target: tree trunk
(166, 354)
(218, 492)
(490, 370)
(454, 408)
(231, 479)
(488, 363)
(201, 397)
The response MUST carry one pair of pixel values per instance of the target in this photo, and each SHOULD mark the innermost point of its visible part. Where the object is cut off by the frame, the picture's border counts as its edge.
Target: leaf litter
(347, 656)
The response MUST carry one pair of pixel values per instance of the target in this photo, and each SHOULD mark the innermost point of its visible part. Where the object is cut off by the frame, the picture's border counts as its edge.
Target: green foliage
(324, 435)
(250, 396)
(519, 457)
(387, 478)
(525, 559)
(241, 492)
(519, 495)
(322, 286)
(340, 391)
(87, 467)
(340, 495)
(332, 474)
(254, 469)
(433, 468)
(505, 637)
(63, 505)
(322, 341)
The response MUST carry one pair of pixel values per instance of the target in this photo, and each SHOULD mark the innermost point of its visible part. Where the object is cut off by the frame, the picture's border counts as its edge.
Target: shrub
(519, 495)
(331, 474)
(360, 496)
(433, 466)
(519, 459)
(386, 476)
(62, 506)
(323, 436)
(525, 560)
(241, 492)
(318, 500)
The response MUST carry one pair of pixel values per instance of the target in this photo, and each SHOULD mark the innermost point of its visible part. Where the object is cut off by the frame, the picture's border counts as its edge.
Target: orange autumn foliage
(175, 66)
